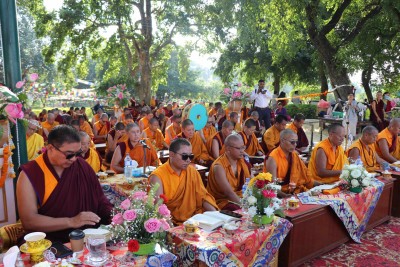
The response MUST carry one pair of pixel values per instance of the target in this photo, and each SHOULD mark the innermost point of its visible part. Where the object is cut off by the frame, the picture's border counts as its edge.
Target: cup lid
(76, 234)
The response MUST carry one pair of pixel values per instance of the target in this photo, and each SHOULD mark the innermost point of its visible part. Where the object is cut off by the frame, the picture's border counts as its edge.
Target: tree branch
(167, 41)
(335, 18)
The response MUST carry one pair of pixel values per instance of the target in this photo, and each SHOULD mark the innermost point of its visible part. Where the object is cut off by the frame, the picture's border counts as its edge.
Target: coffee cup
(35, 240)
(77, 238)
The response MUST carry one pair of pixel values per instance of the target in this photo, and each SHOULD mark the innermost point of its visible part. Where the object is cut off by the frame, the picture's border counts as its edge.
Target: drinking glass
(97, 249)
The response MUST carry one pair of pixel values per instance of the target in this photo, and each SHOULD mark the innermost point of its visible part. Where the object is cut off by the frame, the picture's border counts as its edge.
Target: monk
(127, 119)
(364, 149)
(154, 134)
(144, 122)
(297, 127)
(114, 136)
(175, 112)
(101, 129)
(387, 143)
(209, 130)
(49, 124)
(328, 157)
(253, 147)
(134, 149)
(127, 111)
(215, 145)
(259, 127)
(34, 141)
(58, 192)
(201, 155)
(97, 116)
(234, 118)
(113, 120)
(271, 136)
(228, 174)
(90, 155)
(214, 110)
(181, 183)
(85, 126)
(285, 164)
(173, 130)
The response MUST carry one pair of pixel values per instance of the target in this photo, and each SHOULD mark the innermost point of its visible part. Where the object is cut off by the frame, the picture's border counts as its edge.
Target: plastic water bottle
(246, 158)
(244, 187)
(359, 161)
(127, 168)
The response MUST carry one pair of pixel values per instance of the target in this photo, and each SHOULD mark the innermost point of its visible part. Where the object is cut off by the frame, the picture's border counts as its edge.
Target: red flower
(164, 198)
(260, 184)
(268, 193)
(133, 245)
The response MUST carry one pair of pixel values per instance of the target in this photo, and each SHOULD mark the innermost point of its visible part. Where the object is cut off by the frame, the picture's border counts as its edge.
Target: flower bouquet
(140, 221)
(233, 93)
(261, 199)
(356, 177)
(119, 92)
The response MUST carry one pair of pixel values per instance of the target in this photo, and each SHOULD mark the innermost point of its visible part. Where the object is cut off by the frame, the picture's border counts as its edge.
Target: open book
(211, 220)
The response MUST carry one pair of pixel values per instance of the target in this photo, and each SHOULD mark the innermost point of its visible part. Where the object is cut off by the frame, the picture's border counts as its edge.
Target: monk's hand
(84, 218)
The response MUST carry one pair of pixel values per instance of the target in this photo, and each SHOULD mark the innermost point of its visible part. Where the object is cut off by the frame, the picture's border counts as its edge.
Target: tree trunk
(277, 83)
(366, 78)
(322, 78)
(145, 76)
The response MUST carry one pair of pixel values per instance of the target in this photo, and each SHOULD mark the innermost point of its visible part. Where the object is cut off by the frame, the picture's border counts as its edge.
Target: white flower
(366, 173)
(352, 167)
(269, 211)
(345, 174)
(355, 183)
(277, 200)
(360, 167)
(252, 200)
(43, 264)
(276, 206)
(366, 182)
(252, 211)
(355, 173)
(275, 187)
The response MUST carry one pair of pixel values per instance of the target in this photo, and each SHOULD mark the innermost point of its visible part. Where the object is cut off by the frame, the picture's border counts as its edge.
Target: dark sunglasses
(185, 156)
(69, 156)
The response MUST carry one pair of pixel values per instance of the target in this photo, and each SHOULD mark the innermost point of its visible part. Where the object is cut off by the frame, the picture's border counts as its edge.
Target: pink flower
(227, 90)
(14, 111)
(130, 215)
(20, 84)
(125, 204)
(239, 84)
(236, 94)
(139, 195)
(164, 224)
(152, 225)
(33, 77)
(117, 219)
(163, 210)
(268, 193)
(120, 95)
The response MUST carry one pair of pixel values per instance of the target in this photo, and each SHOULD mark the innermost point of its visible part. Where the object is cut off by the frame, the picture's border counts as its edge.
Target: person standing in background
(262, 98)
(351, 109)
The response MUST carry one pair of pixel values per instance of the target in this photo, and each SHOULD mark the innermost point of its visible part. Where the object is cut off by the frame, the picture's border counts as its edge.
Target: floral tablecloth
(117, 188)
(354, 210)
(249, 246)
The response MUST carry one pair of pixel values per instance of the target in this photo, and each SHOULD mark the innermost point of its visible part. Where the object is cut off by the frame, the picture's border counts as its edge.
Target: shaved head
(334, 128)
(227, 124)
(286, 133)
(232, 139)
(369, 130)
(394, 121)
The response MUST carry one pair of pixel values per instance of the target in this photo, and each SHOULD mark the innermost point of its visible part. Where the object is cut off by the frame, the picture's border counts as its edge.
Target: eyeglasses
(242, 148)
(185, 156)
(69, 156)
(294, 142)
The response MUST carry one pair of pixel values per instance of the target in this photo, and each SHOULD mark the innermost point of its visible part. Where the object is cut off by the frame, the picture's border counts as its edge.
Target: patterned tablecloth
(117, 188)
(249, 246)
(354, 210)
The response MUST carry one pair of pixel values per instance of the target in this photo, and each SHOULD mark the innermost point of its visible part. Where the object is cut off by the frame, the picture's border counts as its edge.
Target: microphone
(143, 143)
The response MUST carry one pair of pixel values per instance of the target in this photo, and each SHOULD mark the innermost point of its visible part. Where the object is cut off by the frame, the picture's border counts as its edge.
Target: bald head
(335, 128)
(369, 130)
(394, 121)
(233, 139)
(186, 123)
(286, 134)
(394, 126)
(227, 124)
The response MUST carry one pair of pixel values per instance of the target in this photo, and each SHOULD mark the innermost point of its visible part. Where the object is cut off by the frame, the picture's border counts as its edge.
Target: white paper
(10, 258)
(325, 186)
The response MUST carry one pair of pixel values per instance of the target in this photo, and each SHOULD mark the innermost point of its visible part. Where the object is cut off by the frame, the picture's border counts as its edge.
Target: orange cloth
(334, 161)
(220, 139)
(271, 138)
(145, 122)
(156, 138)
(87, 129)
(136, 153)
(387, 135)
(251, 143)
(292, 127)
(96, 118)
(152, 102)
(170, 129)
(209, 132)
(298, 172)
(49, 126)
(368, 157)
(93, 159)
(185, 192)
(212, 112)
(199, 149)
(102, 129)
(49, 180)
(236, 181)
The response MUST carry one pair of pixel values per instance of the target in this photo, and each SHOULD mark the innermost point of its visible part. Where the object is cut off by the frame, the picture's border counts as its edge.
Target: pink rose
(139, 195)
(268, 193)
(163, 210)
(152, 225)
(227, 90)
(236, 94)
(33, 77)
(20, 84)
(14, 111)
(164, 224)
(120, 95)
(239, 84)
(125, 204)
(117, 219)
(130, 215)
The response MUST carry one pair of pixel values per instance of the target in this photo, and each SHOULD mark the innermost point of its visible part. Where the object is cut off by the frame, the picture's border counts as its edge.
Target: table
(322, 121)
(317, 229)
(249, 246)
(117, 188)
(396, 193)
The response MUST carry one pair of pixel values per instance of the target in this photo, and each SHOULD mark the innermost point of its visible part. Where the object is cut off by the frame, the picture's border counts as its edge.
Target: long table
(317, 230)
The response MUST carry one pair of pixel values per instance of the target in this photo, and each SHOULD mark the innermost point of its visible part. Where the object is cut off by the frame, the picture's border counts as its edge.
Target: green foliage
(309, 111)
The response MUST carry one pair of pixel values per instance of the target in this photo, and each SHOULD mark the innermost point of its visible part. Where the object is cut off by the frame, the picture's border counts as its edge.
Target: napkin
(10, 258)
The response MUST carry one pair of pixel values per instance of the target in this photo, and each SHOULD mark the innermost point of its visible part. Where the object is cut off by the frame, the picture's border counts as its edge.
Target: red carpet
(379, 247)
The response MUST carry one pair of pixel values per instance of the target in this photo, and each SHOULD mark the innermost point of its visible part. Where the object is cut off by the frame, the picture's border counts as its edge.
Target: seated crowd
(57, 189)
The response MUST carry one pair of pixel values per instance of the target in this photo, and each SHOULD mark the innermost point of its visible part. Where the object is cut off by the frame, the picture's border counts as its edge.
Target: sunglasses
(185, 156)
(69, 156)
(292, 142)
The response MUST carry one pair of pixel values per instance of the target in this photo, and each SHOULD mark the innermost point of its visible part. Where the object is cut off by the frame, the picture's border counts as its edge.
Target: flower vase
(356, 190)
(236, 105)
(263, 219)
(146, 249)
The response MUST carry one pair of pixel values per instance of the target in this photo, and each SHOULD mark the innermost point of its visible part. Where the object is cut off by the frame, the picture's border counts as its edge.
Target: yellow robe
(387, 135)
(271, 138)
(172, 132)
(145, 122)
(217, 136)
(199, 149)
(292, 127)
(96, 118)
(156, 138)
(49, 126)
(334, 161)
(298, 171)
(368, 157)
(251, 143)
(87, 129)
(93, 159)
(185, 192)
(209, 132)
(236, 182)
(101, 128)
(34, 144)
(136, 153)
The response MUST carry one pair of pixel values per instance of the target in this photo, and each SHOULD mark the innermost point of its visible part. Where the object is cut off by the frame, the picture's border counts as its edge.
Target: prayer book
(211, 220)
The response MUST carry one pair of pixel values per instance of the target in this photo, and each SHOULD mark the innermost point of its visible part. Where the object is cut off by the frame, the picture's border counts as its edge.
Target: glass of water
(97, 250)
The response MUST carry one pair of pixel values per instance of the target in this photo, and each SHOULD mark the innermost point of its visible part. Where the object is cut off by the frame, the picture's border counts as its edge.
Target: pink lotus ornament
(227, 90)
(33, 77)
(14, 111)
(19, 84)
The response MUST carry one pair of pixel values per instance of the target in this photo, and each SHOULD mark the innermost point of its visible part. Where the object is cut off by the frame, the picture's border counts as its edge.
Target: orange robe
(393, 148)
(122, 138)
(334, 161)
(102, 129)
(156, 138)
(172, 132)
(271, 138)
(368, 157)
(212, 112)
(199, 149)
(48, 126)
(93, 159)
(87, 129)
(298, 171)
(209, 132)
(251, 143)
(136, 153)
(185, 192)
(96, 118)
(220, 139)
(236, 182)
(145, 122)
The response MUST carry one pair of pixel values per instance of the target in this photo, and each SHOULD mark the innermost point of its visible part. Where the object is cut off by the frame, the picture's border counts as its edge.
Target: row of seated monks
(223, 150)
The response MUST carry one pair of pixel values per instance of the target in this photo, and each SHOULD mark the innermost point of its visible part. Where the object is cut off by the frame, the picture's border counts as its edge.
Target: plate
(24, 248)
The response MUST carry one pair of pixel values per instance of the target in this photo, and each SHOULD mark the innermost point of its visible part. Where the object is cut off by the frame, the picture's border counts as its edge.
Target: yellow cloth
(87, 129)
(292, 127)
(209, 132)
(217, 136)
(152, 102)
(96, 118)
(156, 138)
(34, 144)
(172, 132)
(251, 143)
(49, 126)
(334, 161)
(271, 138)
(101, 128)
(199, 149)
(136, 153)
(236, 181)
(93, 159)
(298, 172)
(212, 112)
(368, 157)
(185, 192)
(145, 122)
(387, 135)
